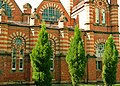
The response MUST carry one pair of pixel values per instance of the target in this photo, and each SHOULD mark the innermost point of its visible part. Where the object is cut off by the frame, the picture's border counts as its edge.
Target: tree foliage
(40, 59)
(110, 60)
(76, 58)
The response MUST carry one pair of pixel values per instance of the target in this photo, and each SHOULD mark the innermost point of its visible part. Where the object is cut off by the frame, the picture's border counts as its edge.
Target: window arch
(51, 14)
(100, 49)
(7, 8)
(18, 50)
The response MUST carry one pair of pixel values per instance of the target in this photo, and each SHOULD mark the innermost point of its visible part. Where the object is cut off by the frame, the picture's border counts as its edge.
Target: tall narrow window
(52, 57)
(52, 63)
(103, 16)
(97, 18)
(21, 60)
(99, 65)
(14, 59)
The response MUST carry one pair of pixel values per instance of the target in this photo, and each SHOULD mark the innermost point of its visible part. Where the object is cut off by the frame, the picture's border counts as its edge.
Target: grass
(82, 85)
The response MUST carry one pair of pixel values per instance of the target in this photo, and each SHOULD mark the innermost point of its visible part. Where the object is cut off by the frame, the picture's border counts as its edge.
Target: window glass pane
(100, 49)
(13, 59)
(18, 41)
(51, 14)
(14, 63)
(0, 4)
(21, 64)
(14, 53)
(22, 52)
(103, 16)
(97, 15)
(99, 65)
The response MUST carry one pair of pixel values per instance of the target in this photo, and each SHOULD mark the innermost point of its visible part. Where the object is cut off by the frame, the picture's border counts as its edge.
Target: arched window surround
(18, 50)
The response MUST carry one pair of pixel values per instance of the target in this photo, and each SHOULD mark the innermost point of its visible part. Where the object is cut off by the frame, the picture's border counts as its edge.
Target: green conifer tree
(40, 59)
(110, 60)
(76, 58)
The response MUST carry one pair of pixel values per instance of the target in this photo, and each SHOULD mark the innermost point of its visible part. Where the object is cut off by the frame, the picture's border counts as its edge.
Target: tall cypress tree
(40, 59)
(110, 60)
(76, 58)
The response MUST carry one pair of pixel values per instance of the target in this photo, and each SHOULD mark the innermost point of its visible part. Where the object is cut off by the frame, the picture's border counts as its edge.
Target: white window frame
(103, 16)
(97, 17)
(21, 55)
(100, 49)
(20, 63)
(52, 60)
(97, 65)
(13, 58)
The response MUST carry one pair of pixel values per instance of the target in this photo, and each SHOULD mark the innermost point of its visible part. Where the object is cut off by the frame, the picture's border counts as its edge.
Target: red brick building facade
(19, 33)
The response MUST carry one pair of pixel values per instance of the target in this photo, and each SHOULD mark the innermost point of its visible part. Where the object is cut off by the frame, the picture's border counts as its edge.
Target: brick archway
(99, 41)
(55, 39)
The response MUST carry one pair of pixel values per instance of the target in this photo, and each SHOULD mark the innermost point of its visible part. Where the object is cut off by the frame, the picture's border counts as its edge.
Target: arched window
(97, 18)
(51, 14)
(18, 53)
(103, 16)
(7, 8)
(100, 50)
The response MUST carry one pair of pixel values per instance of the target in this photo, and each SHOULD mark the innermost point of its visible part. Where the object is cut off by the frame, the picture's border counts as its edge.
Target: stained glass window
(51, 14)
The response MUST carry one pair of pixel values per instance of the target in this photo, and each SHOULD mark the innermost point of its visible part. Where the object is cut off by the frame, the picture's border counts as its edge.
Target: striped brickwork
(33, 37)
(117, 42)
(90, 44)
(10, 3)
(3, 37)
(64, 41)
(92, 34)
(51, 5)
(114, 15)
